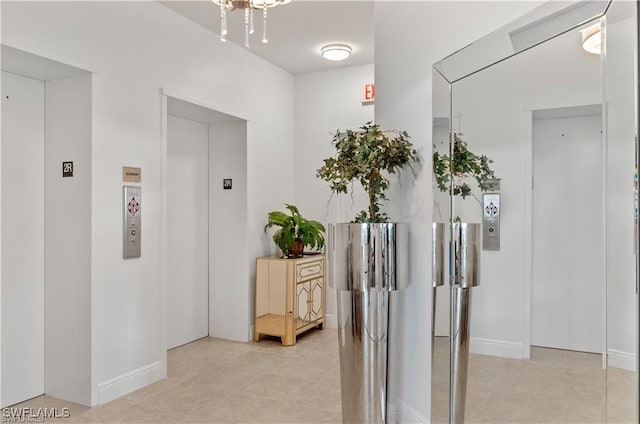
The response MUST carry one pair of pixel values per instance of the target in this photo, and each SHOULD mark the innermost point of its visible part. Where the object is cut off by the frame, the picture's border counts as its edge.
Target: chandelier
(248, 6)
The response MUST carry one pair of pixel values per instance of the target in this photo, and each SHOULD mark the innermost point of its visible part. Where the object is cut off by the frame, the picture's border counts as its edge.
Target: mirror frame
(443, 68)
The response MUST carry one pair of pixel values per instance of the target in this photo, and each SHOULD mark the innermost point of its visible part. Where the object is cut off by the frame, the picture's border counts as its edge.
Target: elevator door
(188, 231)
(568, 269)
(22, 238)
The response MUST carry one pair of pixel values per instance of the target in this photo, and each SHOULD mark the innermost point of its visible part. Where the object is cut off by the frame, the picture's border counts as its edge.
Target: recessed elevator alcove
(206, 236)
(45, 229)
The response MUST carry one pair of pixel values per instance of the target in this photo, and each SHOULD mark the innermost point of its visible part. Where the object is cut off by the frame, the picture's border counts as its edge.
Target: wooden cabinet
(290, 296)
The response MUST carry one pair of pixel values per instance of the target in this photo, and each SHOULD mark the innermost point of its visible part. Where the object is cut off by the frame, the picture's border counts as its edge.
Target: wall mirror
(552, 328)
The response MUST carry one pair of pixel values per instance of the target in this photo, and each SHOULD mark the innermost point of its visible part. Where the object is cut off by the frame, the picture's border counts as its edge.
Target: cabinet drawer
(309, 270)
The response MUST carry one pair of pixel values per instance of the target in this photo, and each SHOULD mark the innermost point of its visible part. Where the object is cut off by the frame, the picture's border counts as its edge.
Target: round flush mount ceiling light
(336, 52)
(592, 39)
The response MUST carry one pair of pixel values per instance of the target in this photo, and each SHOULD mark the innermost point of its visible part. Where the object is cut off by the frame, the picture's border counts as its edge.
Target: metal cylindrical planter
(437, 252)
(466, 251)
(437, 270)
(365, 263)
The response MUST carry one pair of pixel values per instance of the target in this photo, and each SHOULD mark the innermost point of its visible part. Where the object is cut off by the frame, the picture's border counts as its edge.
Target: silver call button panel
(491, 221)
(132, 231)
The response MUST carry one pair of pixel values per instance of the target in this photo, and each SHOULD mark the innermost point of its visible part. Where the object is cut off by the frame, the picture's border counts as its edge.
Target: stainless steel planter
(365, 263)
(466, 252)
(437, 270)
(437, 248)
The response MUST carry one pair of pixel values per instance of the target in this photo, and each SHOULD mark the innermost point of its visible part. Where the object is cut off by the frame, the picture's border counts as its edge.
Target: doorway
(206, 209)
(567, 308)
(46, 229)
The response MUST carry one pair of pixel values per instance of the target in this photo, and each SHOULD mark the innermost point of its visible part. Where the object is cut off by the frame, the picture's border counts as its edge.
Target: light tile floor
(555, 386)
(219, 381)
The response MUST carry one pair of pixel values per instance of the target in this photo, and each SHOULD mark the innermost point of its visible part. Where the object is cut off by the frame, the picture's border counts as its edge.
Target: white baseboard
(501, 348)
(330, 321)
(406, 414)
(129, 382)
(625, 360)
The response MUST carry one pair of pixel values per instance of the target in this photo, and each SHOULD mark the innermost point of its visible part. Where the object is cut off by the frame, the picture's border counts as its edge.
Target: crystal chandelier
(248, 6)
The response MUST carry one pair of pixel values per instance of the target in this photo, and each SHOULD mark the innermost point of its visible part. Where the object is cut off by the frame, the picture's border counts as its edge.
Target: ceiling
(296, 31)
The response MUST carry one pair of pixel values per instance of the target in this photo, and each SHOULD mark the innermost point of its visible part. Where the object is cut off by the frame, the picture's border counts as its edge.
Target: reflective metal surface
(132, 220)
(467, 275)
(437, 270)
(467, 254)
(363, 334)
(437, 249)
(365, 263)
(368, 256)
(491, 212)
(461, 307)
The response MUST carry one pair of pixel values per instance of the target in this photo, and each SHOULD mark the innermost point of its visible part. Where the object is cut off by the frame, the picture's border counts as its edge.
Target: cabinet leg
(288, 340)
(322, 325)
(256, 336)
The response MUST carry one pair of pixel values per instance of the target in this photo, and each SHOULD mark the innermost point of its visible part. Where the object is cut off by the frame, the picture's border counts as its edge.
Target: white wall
(324, 103)
(135, 49)
(229, 240)
(68, 240)
(403, 91)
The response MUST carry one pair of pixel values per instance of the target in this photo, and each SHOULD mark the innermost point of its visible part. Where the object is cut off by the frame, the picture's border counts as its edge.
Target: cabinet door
(316, 289)
(303, 307)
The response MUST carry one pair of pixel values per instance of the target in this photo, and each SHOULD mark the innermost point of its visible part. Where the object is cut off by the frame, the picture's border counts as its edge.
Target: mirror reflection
(553, 333)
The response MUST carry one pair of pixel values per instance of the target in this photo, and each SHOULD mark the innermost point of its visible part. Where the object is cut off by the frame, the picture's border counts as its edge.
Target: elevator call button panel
(132, 231)
(491, 221)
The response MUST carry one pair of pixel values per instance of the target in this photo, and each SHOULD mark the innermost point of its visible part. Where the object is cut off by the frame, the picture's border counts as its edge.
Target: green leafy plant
(368, 155)
(295, 229)
(464, 166)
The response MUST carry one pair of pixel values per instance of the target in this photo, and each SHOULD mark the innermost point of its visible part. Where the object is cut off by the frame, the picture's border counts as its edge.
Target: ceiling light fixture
(248, 6)
(336, 52)
(592, 39)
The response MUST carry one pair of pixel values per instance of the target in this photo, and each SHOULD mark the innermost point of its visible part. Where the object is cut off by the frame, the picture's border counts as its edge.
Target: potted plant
(454, 172)
(367, 259)
(368, 155)
(295, 232)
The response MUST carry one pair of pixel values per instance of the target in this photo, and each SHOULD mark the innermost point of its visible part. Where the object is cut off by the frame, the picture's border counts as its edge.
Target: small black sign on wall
(227, 183)
(67, 169)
